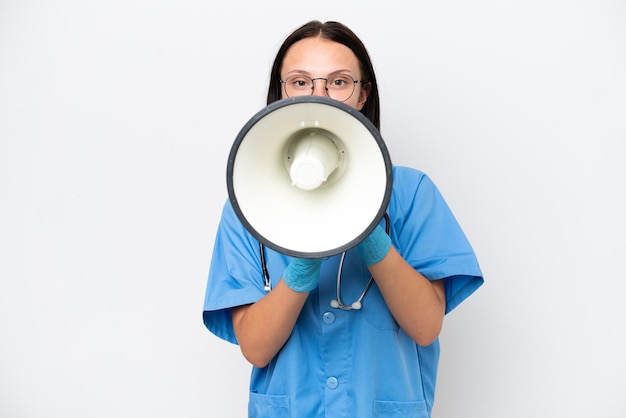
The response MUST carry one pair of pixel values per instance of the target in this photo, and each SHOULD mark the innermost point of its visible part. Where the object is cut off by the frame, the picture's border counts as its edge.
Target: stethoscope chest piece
(355, 305)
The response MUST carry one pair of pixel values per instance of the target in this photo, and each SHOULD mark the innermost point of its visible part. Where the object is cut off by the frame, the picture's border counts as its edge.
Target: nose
(319, 88)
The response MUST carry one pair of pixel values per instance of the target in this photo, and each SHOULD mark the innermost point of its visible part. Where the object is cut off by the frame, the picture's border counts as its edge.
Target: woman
(312, 357)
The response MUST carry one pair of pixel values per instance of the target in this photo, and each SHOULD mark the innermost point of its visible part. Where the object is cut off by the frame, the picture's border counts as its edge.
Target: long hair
(337, 32)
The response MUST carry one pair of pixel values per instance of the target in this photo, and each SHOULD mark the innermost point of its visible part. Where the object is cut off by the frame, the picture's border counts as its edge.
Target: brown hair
(337, 32)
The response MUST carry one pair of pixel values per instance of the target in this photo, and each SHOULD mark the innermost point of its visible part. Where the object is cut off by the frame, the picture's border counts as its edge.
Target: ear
(363, 94)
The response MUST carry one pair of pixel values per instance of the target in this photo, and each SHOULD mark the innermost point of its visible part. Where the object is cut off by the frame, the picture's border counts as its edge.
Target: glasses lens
(340, 87)
(298, 85)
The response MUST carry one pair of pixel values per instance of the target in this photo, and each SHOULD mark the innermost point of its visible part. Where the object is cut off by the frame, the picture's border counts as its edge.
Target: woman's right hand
(303, 274)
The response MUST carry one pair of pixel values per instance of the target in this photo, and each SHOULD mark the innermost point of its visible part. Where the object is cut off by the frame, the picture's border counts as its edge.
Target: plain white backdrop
(116, 119)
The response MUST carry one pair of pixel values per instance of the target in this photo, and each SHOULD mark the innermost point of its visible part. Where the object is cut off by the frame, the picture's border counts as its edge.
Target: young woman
(312, 356)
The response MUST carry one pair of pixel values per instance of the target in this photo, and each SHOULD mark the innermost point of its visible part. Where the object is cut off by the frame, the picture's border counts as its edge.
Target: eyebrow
(336, 72)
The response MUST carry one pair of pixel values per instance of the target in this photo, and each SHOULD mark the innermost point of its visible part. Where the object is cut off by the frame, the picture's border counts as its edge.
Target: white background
(116, 118)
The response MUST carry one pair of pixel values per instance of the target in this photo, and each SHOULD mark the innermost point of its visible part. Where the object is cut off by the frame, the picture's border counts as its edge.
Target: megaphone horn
(309, 176)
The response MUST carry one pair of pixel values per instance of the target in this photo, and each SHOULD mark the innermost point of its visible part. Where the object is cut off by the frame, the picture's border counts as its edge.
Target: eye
(340, 82)
(299, 82)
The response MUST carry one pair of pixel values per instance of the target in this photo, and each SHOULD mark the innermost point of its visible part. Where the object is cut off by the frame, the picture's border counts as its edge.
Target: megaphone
(309, 177)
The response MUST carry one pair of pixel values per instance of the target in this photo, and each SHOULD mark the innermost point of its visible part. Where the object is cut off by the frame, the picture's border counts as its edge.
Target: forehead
(319, 56)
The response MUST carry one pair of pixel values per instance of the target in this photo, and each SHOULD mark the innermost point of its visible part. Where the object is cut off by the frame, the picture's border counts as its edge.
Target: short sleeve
(429, 237)
(235, 275)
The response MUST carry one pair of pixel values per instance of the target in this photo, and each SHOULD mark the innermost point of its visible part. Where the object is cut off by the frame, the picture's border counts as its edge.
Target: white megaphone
(309, 176)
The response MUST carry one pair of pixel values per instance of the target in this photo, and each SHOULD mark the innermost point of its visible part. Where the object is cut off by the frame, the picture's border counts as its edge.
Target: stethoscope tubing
(335, 303)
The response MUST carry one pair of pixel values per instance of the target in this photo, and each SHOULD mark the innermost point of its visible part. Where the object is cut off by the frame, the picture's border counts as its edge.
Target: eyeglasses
(338, 87)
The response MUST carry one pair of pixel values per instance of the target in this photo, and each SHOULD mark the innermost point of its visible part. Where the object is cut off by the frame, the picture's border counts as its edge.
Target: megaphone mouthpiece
(315, 157)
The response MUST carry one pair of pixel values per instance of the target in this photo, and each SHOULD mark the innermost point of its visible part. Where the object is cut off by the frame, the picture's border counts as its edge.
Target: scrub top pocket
(376, 311)
(266, 406)
(387, 409)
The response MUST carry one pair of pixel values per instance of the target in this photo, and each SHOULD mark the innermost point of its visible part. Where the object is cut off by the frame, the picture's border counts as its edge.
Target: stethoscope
(335, 303)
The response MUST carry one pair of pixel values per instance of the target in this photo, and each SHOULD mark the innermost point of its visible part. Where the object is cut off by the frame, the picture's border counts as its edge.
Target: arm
(417, 304)
(262, 328)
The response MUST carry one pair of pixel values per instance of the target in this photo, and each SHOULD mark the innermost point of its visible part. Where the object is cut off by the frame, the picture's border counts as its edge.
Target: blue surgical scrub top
(338, 363)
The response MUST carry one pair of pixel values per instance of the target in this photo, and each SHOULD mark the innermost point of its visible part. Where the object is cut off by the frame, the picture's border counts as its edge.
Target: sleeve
(429, 237)
(235, 275)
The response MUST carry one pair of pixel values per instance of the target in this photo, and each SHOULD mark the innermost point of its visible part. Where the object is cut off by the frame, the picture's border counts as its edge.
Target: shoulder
(403, 172)
(408, 176)
(409, 182)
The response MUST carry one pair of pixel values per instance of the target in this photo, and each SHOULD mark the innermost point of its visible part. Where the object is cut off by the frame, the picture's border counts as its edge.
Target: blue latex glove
(303, 274)
(375, 247)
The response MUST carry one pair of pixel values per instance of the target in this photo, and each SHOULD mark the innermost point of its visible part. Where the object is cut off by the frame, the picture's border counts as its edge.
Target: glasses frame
(313, 80)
